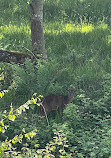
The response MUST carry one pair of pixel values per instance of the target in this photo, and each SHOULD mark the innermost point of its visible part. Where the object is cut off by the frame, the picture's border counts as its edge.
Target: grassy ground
(78, 44)
(82, 44)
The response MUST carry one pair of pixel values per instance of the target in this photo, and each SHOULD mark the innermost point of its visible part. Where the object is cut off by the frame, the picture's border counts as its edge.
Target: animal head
(71, 93)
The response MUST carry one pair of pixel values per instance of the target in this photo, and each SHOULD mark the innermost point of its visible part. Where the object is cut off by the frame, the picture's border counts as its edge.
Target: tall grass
(76, 10)
(77, 34)
(81, 42)
(13, 37)
(14, 12)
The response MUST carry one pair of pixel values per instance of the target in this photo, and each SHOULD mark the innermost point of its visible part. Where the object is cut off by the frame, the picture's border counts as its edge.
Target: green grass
(75, 10)
(78, 44)
(81, 44)
(85, 47)
(13, 36)
(81, 38)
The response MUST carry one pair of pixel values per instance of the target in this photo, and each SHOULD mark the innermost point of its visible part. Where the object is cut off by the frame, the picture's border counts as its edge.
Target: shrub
(55, 148)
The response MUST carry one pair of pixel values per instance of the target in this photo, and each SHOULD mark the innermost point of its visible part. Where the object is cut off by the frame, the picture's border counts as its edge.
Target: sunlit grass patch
(10, 29)
(58, 28)
(84, 28)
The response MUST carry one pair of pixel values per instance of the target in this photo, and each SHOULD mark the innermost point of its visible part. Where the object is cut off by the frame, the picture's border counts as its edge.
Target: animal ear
(68, 89)
(71, 92)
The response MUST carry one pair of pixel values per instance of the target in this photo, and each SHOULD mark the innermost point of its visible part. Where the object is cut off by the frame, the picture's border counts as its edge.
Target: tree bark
(37, 34)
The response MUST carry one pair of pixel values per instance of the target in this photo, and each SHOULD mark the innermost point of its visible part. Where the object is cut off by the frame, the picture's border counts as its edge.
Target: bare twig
(45, 114)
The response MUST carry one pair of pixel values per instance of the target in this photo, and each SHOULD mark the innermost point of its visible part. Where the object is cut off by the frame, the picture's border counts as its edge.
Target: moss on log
(13, 56)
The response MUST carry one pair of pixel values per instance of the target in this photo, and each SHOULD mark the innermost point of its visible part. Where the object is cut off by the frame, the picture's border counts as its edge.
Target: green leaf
(13, 118)
(4, 116)
(1, 95)
(13, 141)
(26, 135)
(0, 129)
(2, 123)
(10, 117)
(23, 130)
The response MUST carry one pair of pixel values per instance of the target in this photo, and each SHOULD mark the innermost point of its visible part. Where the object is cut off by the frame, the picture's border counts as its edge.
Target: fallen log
(14, 56)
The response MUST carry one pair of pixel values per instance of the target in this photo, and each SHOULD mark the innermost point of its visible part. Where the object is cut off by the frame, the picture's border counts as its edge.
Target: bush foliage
(78, 44)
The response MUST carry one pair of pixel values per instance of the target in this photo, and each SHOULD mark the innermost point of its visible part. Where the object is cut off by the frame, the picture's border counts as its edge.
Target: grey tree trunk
(37, 33)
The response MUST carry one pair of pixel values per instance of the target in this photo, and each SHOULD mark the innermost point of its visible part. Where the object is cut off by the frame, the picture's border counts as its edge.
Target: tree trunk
(37, 33)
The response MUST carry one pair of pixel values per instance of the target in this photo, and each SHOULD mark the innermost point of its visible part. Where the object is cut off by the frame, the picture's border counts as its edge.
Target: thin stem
(45, 114)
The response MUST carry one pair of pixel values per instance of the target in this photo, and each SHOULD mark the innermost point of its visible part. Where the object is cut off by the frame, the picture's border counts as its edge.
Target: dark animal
(56, 102)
